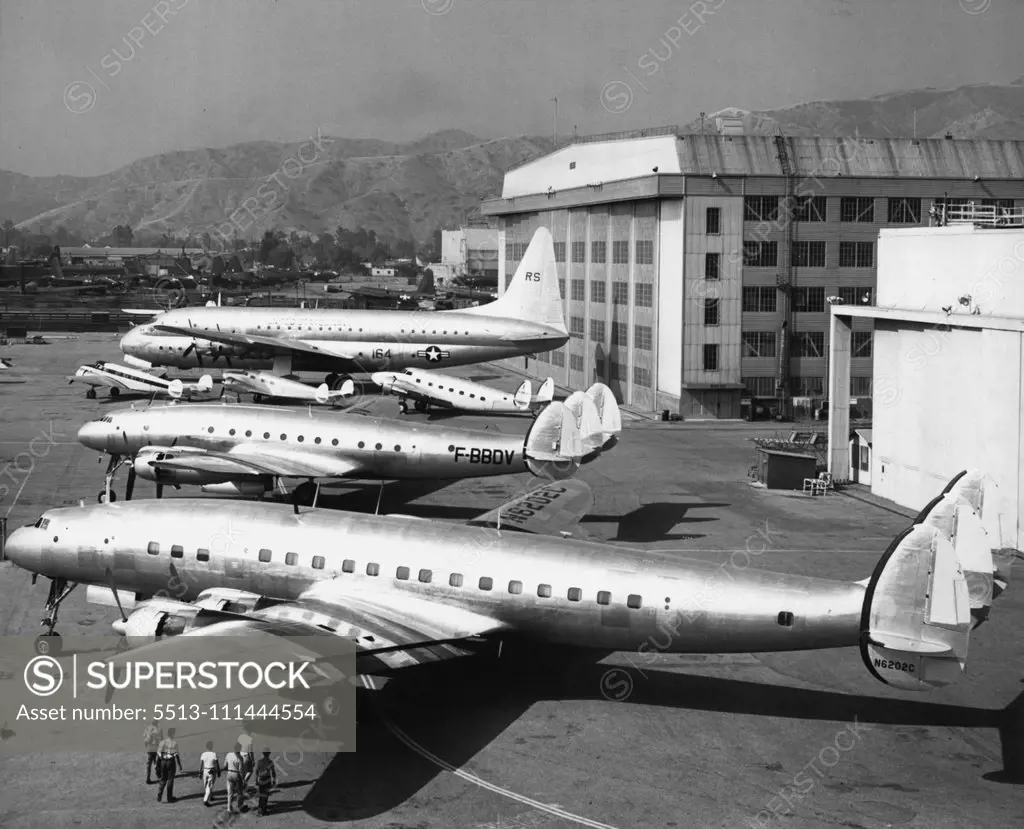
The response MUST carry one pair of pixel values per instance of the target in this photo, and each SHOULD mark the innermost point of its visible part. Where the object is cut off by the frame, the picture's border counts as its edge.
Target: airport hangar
(948, 368)
(685, 269)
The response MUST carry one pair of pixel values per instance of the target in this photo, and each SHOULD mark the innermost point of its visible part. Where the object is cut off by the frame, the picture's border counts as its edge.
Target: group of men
(239, 768)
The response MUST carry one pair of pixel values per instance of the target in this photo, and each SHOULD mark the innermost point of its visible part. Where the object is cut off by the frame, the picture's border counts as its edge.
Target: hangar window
(486, 583)
(558, 358)
(761, 254)
(579, 290)
(202, 554)
(579, 251)
(425, 576)
(620, 252)
(856, 254)
(619, 333)
(509, 252)
(855, 296)
(809, 300)
(712, 315)
(807, 386)
(861, 344)
(760, 208)
(857, 209)
(643, 295)
(291, 559)
(642, 337)
(561, 287)
(620, 293)
(759, 386)
(575, 594)
(576, 362)
(860, 387)
(604, 597)
(712, 266)
(710, 357)
(598, 252)
(544, 591)
(153, 548)
(597, 331)
(758, 343)
(348, 566)
(264, 555)
(809, 344)
(713, 221)
(808, 254)
(318, 562)
(576, 327)
(402, 573)
(644, 252)
(634, 601)
(559, 251)
(759, 299)
(373, 569)
(177, 551)
(515, 587)
(455, 580)
(641, 377)
(616, 371)
(810, 209)
(597, 289)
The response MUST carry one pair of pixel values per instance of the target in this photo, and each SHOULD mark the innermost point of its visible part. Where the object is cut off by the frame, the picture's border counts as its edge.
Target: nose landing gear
(49, 643)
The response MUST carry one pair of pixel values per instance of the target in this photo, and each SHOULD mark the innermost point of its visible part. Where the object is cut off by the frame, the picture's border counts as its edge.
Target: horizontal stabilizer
(549, 509)
(916, 621)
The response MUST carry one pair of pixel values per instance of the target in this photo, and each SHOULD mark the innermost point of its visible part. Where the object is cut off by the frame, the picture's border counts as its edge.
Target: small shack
(860, 456)
(784, 468)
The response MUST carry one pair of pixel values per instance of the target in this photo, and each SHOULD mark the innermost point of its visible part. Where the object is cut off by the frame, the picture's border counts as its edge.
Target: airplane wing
(549, 509)
(255, 341)
(250, 460)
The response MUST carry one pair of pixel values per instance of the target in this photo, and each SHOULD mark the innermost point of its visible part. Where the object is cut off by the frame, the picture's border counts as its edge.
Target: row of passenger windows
(485, 583)
(348, 328)
(316, 440)
(441, 388)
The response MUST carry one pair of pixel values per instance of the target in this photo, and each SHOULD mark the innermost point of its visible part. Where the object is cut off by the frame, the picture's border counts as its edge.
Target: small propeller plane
(408, 592)
(432, 388)
(250, 450)
(120, 378)
(266, 384)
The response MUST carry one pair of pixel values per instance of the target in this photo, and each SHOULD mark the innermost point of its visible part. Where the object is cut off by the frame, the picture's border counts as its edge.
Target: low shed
(778, 469)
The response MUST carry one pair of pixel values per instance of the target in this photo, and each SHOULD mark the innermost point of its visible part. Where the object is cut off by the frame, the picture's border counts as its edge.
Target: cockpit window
(41, 523)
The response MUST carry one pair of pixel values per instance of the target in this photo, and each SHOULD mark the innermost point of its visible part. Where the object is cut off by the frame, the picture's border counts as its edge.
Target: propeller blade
(130, 486)
(113, 589)
(159, 490)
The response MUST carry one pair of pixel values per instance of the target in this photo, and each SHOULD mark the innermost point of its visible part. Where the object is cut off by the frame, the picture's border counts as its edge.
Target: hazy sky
(88, 86)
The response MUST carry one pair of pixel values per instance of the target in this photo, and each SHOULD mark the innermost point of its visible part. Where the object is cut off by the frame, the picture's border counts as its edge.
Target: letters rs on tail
(934, 583)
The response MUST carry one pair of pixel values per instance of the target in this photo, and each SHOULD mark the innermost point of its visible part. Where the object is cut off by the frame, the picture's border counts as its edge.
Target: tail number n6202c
(893, 665)
(497, 457)
(533, 276)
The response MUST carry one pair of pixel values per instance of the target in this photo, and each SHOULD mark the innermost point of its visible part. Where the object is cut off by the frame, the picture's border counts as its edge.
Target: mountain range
(408, 190)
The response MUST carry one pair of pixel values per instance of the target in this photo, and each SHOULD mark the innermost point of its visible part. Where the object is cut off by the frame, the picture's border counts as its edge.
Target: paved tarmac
(789, 740)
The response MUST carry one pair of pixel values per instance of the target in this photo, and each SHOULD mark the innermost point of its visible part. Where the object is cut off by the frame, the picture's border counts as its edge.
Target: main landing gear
(421, 406)
(107, 494)
(90, 393)
(49, 644)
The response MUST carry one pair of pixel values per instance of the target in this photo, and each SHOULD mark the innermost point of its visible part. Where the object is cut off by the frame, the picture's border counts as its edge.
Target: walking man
(152, 737)
(248, 758)
(266, 780)
(233, 770)
(170, 764)
(209, 771)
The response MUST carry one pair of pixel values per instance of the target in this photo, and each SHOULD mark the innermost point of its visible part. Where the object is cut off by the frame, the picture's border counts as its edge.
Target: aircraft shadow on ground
(364, 497)
(437, 718)
(654, 522)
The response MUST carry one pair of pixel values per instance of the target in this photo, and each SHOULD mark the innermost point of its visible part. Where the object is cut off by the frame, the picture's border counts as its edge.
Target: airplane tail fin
(205, 383)
(554, 447)
(608, 412)
(588, 423)
(323, 394)
(934, 583)
(533, 294)
(176, 389)
(521, 400)
(426, 285)
(546, 392)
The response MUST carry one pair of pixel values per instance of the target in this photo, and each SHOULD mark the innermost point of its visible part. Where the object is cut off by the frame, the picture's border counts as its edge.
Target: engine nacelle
(230, 600)
(157, 618)
(244, 489)
(147, 472)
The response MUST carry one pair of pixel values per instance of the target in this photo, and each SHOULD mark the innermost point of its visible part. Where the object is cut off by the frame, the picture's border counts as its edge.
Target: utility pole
(554, 123)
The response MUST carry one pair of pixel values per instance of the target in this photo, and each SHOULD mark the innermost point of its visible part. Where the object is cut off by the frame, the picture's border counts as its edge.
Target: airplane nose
(94, 435)
(382, 378)
(23, 549)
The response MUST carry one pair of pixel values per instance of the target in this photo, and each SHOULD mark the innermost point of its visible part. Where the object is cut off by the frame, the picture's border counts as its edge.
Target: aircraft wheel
(115, 392)
(403, 407)
(339, 381)
(304, 494)
(90, 393)
(101, 496)
(48, 644)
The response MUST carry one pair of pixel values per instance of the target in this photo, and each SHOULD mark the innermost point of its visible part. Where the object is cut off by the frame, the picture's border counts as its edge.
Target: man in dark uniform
(170, 764)
(266, 780)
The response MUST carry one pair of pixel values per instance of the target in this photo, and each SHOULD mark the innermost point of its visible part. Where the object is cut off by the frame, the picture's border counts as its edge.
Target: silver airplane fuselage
(555, 590)
(347, 340)
(382, 447)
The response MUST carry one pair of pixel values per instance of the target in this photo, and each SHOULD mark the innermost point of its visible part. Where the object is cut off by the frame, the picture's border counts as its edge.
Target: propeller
(190, 349)
(130, 486)
(159, 490)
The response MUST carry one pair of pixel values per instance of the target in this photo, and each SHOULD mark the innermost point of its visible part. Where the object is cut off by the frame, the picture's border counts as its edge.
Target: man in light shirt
(248, 758)
(233, 769)
(209, 771)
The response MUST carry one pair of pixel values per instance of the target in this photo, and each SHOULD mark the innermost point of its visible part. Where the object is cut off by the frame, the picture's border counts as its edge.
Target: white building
(471, 250)
(948, 374)
(382, 271)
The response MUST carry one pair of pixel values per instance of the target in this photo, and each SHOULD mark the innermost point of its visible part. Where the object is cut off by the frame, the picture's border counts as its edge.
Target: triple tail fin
(608, 412)
(521, 400)
(934, 583)
(553, 447)
(546, 392)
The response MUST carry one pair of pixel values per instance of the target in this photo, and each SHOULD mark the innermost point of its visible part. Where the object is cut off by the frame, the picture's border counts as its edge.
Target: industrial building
(471, 251)
(698, 270)
(948, 366)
